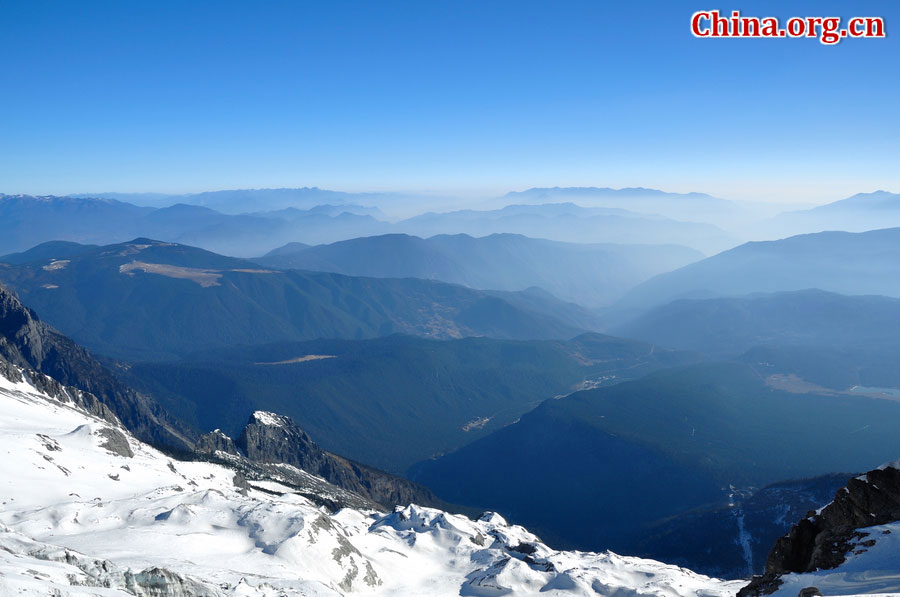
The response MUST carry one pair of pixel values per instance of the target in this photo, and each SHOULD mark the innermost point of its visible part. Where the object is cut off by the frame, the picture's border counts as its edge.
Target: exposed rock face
(217, 447)
(215, 441)
(115, 441)
(821, 541)
(271, 438)
(64, 370)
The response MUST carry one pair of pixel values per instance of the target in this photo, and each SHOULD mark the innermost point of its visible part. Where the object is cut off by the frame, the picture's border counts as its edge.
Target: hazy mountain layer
(843, 262)
(861, 212)
(26, 221)
(568, 222)
(263, 224)
(590, 275)
(731, 326)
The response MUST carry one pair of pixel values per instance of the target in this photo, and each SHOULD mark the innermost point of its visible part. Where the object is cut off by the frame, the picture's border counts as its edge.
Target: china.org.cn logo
(828, 30)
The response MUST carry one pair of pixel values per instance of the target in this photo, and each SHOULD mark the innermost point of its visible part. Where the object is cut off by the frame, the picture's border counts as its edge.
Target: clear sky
(456, 96)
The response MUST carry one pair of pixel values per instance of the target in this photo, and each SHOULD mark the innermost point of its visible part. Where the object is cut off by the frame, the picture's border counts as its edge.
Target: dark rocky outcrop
(271, 439)
(215, 441)
(64, 370)
(822, 540)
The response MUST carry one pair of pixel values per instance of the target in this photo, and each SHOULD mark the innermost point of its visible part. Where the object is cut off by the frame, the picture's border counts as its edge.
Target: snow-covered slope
(85, 509)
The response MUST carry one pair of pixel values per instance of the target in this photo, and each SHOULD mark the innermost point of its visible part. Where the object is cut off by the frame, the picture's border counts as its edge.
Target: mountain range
(586, 274)
(843, 262)
(26, 221)
(263, 223)
(616, 460)
(859, 213)
(569, 222)
(148, 299)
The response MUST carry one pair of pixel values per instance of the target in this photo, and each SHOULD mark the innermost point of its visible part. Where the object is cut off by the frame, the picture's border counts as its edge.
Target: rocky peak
(215, 441)
(269, 437)
(822, 540)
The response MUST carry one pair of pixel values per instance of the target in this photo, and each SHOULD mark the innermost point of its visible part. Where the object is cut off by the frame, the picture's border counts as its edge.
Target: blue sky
(448, 97)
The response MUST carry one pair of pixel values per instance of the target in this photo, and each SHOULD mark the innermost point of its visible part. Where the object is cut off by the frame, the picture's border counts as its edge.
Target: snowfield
(86, 509)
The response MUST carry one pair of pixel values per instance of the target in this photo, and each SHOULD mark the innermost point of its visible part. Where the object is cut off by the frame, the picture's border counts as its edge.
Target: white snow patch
(268, 419)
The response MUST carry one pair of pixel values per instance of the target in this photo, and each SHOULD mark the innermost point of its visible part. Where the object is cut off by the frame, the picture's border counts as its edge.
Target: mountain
(26, 221)
(598, 468)
(861, 212)
(59, 367)
(148, 299)
(32, 352)
(393, 401)
(91, 515)
(255, 227)
(243, 201)
(568, 222)
(251, 234)
(732, 326)
(848, 546)
(59, 249)
(589, 275)
(842, 262)
(698, 207)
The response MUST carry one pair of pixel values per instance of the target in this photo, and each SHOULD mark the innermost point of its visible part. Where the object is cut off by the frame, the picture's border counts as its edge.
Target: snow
(268, 419)
(78, 519)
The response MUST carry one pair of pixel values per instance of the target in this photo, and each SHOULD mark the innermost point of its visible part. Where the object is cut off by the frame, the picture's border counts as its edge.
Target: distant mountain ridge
(842, 262)
(242, 201)
(26, 221)
(859, 213)
(149, 299)
(589, 275)
(255, 226)
(568, 222)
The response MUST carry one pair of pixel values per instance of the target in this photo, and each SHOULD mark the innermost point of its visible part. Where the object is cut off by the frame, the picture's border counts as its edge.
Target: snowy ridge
(80, 516)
